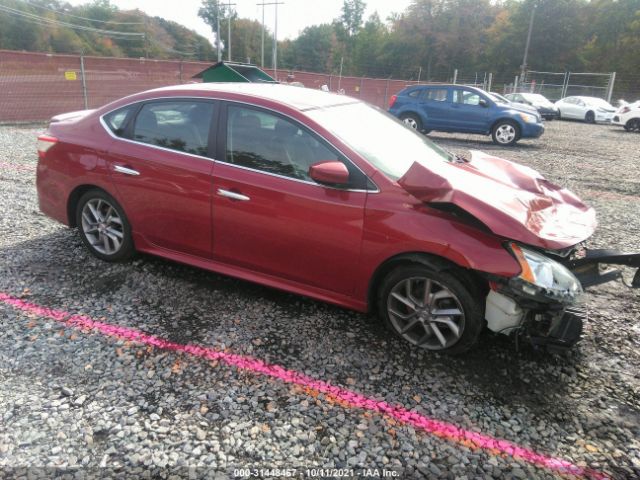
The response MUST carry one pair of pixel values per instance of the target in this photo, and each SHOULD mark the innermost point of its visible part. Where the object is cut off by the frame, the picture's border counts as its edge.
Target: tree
(352, 15)
(215, 14)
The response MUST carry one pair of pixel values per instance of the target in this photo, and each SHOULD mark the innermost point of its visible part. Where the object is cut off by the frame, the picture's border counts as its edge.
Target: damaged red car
(328, 197)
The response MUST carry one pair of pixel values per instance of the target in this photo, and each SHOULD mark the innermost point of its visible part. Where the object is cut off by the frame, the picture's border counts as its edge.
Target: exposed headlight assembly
(543, 278)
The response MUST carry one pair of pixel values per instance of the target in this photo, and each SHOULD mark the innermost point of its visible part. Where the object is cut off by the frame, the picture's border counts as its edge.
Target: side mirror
(483, 103)
(331, 172)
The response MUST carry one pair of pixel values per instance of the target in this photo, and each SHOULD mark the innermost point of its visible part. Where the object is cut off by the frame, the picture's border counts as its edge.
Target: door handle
(233, 195)
(126, 170)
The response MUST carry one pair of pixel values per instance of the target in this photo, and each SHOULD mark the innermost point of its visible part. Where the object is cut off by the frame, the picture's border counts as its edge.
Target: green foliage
(45, 30)
(430, 38)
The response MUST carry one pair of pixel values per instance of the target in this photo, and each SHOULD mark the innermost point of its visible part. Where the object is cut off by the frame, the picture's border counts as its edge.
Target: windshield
(379, 137)
(535, 97)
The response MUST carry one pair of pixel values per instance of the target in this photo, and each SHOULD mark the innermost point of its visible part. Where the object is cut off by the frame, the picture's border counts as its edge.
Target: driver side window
(466, 97)
(270, 143)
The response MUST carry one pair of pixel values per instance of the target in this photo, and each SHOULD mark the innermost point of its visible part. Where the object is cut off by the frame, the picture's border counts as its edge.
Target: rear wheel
(590, 117)
(104, 227)
(412, 121)
(431, 310)
(505, 133)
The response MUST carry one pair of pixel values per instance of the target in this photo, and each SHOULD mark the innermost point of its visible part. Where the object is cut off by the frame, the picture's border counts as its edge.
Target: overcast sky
(293, 16)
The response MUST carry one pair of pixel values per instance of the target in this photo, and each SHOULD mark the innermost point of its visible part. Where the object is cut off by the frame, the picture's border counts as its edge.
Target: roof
(297, 97)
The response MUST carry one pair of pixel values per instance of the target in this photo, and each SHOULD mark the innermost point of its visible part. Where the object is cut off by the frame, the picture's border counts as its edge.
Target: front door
(162, 172)
(467, 112)
(270, 217)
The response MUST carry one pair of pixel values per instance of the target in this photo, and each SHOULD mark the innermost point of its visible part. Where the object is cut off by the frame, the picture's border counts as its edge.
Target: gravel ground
(92, 405)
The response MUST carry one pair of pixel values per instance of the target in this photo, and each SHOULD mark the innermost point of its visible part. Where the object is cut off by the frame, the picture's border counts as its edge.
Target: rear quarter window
(116, 121)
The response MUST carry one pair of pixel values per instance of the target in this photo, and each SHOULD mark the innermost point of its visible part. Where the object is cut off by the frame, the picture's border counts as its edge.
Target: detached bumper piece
(587, 267)
(563, 332)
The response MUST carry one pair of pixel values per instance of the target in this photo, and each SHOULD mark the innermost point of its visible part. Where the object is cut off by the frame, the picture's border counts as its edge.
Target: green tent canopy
(233, 72)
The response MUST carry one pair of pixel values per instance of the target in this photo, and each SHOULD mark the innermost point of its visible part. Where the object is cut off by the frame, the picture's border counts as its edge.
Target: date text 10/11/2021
(315, 473)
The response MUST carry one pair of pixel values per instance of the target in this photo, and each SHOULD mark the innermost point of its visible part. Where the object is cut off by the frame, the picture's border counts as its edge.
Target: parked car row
(465, 109)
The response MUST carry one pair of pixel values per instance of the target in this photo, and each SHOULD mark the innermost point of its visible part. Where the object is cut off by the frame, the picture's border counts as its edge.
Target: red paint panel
(169, 203)
(296, 230)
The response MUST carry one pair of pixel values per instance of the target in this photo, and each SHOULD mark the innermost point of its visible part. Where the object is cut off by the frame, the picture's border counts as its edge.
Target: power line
(52, 22)
(59, 12)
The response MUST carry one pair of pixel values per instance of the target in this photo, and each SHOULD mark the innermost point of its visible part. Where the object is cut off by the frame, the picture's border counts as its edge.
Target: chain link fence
(36, 86)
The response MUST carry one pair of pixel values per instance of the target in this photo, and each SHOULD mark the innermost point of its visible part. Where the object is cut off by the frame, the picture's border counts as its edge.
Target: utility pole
(229, 5)
(523, 68)
(275, 37)
(218, 32)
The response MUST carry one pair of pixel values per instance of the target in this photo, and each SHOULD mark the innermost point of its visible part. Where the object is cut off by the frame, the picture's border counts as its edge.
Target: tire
(505, 133)
(452, 333)
(412, 121)
(590, 117)
(632, 125)
(103, 226)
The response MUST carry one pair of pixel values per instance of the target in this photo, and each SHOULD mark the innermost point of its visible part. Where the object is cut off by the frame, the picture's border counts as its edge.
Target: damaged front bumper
(545, 321)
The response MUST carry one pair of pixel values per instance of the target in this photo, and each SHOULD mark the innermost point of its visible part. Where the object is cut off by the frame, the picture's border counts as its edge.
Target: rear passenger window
(179, 125)
(116, 121)
(436, 94)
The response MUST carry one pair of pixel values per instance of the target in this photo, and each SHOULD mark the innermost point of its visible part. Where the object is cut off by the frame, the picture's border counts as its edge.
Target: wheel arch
(476, 284)
(509, 120)
(74, 197)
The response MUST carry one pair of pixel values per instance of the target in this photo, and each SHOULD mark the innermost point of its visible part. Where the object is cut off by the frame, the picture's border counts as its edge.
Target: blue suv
(457, 108)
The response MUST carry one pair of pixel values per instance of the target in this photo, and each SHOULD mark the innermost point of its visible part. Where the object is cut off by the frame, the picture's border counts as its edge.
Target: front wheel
(104, 227)
(590, 117)
(505, 133)
(431, 310)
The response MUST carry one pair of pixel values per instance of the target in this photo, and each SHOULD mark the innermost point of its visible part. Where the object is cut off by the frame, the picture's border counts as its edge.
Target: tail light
(45, 142)
(392, 100)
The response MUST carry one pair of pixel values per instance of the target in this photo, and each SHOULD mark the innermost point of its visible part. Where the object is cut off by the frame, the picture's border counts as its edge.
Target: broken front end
(543, 304)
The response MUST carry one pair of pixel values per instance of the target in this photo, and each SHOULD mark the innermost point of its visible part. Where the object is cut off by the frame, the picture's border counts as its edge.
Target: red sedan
(325, 196)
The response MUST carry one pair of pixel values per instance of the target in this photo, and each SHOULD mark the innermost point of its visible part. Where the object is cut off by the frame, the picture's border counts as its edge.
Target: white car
(589, 109)
(628, 116)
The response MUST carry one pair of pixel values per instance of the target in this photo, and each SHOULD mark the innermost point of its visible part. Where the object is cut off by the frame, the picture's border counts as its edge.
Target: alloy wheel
(102, 226)
(505, 133)
(425, 313)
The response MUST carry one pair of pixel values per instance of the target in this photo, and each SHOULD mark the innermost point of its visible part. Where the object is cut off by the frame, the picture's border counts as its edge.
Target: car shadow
(190, 305)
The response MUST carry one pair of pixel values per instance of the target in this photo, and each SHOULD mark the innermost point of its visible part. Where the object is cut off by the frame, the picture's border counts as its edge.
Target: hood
(513, 201)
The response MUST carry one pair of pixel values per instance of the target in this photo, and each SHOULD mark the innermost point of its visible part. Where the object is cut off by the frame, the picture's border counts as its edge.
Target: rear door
(270, 217)
(161, 168)
(435, 103)
(467, 114)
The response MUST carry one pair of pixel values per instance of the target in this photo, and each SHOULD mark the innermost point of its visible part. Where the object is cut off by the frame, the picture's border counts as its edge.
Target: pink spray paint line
(435, 427)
